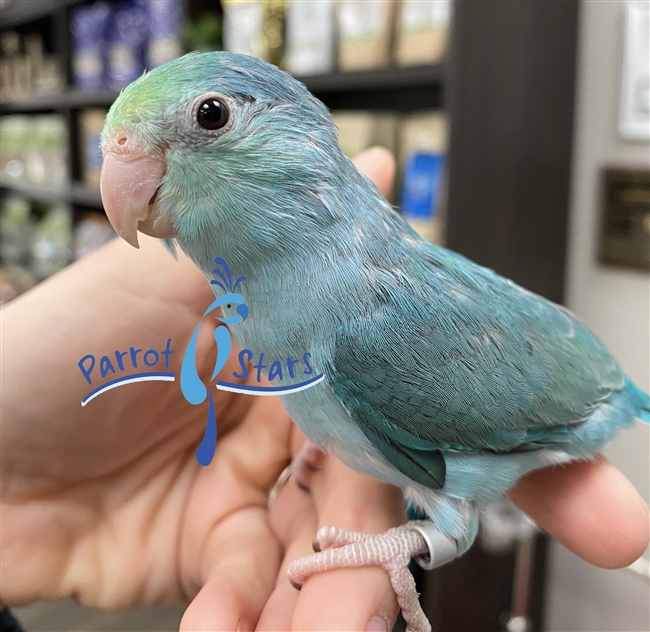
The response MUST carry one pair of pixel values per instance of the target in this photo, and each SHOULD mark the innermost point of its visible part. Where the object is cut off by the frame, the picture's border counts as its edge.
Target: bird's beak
(129, 184)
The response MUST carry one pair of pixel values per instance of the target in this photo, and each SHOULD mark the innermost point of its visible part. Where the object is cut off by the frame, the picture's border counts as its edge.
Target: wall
(615, 303)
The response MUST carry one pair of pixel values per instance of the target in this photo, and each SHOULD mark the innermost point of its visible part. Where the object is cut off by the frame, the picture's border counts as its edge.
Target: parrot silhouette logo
(192, 387)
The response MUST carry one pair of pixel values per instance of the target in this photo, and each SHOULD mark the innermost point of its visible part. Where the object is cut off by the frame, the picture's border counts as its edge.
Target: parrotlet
(441, 376)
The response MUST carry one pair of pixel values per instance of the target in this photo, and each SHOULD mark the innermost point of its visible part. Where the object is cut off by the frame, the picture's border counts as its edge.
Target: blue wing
(458, 358)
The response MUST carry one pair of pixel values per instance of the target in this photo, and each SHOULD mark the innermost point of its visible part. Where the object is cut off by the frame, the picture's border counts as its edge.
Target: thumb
(379, 165)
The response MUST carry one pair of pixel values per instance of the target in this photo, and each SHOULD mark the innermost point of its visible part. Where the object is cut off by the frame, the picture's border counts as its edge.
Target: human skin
(107, 503)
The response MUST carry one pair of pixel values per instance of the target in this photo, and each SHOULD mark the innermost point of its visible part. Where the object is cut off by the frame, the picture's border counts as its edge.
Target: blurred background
(522, 134)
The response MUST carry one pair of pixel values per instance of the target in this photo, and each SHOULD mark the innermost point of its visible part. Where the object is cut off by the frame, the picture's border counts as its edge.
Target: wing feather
(469, 363)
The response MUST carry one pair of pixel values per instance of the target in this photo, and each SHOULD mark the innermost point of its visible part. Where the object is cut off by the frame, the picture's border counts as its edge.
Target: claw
(326, 538)
(393, 550)
(295, 584)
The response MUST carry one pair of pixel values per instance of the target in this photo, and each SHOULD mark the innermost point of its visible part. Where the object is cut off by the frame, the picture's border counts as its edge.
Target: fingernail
(244, 626)
(376, 624)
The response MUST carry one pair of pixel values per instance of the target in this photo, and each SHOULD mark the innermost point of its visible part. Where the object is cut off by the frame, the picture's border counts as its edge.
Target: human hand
(108, 503)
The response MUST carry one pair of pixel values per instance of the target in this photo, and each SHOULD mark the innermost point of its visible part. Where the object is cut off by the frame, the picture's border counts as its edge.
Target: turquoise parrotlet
(441, 376)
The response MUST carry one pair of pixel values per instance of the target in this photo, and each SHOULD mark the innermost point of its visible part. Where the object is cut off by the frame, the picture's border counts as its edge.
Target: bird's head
(209, 143)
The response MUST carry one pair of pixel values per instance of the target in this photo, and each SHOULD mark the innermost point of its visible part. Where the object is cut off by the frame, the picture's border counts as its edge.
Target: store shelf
(81, 194)
(74, 99)
(18, 12)
(384, 79)
(74, 193)
(417, 77)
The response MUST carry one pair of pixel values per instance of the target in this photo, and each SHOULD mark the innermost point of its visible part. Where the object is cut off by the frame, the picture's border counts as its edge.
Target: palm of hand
(79, 491)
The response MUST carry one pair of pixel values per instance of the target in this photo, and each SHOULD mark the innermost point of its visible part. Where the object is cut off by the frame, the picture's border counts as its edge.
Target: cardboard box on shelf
(422, 32)
(425, 131)
(275, 12)
(310, 37)
(422, 157)
(360, 129)
(243, 27)
(365, 32)
(255, 27)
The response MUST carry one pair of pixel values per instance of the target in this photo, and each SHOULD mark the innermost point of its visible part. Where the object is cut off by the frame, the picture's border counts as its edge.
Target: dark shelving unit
(396, 89)
(508, 91)
(73, 193)
(69, 99)
(385, 79)
(18, 13)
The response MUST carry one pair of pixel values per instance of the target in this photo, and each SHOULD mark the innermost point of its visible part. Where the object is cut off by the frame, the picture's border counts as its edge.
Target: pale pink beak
(129, 183)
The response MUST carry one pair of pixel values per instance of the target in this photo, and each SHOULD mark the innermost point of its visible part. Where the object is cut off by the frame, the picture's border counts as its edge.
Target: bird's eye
(229, 306)
(212, 114)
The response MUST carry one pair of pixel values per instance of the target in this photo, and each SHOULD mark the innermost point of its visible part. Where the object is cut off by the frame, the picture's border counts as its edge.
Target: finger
(350, 599)
(241, 562)
(591, 508)
(293, 516)
(379, 165)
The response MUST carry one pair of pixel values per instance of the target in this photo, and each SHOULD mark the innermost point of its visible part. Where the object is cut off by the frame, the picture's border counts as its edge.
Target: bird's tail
(639, 400)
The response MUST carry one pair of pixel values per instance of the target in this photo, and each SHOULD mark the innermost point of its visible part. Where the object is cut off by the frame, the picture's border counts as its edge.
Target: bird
(441, 376)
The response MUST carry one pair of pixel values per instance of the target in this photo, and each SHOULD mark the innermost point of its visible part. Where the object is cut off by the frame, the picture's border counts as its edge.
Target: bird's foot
(393, 550)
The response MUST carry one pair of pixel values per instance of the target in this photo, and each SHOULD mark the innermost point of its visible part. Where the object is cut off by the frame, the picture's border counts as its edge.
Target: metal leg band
(442, 550)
